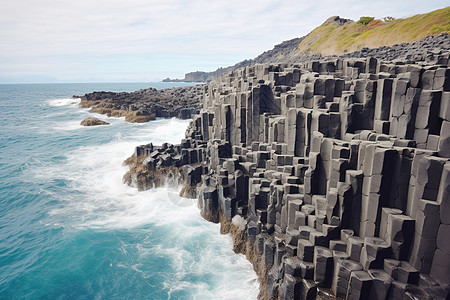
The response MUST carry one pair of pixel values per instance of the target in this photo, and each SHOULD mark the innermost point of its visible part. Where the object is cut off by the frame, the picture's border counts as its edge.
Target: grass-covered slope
(337, 38)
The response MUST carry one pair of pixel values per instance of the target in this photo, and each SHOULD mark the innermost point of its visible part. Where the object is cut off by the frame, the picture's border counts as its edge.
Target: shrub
(375, 24)
(388, 19)
(365, 20)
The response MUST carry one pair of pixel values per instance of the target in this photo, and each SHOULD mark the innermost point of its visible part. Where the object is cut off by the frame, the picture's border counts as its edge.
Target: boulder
(91, 121)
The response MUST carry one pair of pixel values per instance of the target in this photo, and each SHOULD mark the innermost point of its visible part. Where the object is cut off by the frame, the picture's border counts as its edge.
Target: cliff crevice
(332, 176)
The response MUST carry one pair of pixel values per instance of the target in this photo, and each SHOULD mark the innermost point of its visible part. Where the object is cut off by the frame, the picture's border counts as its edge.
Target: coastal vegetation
(333, 38)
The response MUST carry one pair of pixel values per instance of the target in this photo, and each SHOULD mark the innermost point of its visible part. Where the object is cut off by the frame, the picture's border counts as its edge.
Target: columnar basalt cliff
(332, 176)
(288, 52)
(147, 104)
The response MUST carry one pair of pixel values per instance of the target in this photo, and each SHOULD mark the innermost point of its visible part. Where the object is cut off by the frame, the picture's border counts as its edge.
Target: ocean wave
(161, 131)
(96, 173)
(71, 229)
(162, 237)
(64, 102)
(67, 126)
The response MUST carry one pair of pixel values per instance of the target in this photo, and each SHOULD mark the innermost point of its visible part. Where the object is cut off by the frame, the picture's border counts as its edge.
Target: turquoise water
(69, 228)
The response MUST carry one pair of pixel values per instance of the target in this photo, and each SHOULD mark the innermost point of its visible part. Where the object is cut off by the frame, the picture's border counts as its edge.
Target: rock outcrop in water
(332, 176)
(93, 122)
(147, 104)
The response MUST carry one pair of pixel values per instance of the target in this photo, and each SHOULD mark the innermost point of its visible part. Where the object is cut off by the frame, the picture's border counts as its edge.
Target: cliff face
(283, 52)
(288, 52)
(196, 77)
(332, 176)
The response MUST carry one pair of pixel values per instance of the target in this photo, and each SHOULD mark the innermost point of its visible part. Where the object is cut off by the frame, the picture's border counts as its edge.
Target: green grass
(333, 39)
(440, 28)
(322, 34)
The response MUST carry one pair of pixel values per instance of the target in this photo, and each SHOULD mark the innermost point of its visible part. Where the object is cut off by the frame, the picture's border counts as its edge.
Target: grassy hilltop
(339, 36)
(334, 38)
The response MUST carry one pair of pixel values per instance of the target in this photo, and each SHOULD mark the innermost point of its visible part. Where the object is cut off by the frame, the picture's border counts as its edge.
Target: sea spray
(72, 229)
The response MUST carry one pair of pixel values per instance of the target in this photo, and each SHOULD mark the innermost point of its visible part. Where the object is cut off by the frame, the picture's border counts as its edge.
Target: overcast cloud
(146, 40)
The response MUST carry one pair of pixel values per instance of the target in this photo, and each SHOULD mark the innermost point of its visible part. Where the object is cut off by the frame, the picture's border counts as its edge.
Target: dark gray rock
(360, 285)
(335, 166)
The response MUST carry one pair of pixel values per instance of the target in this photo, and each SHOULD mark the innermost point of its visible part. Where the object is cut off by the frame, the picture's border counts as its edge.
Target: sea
(69, 227)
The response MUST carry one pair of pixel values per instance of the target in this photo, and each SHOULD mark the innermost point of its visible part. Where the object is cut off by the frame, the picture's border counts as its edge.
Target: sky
(147, 40)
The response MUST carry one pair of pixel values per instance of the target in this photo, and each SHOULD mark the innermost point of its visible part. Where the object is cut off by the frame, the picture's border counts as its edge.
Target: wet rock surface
(333, 176)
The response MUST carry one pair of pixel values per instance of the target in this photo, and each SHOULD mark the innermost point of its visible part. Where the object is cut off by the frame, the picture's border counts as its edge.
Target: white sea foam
(161, 130)
(64, 102)
(67, 126)
(239, 222)
(194, 246)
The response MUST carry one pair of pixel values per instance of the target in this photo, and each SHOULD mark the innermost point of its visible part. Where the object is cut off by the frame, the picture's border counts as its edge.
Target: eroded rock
(91, 121)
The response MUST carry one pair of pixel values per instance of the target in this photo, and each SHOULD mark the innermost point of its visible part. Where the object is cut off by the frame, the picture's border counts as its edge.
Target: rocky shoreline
(332, 176)
(146, 104)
